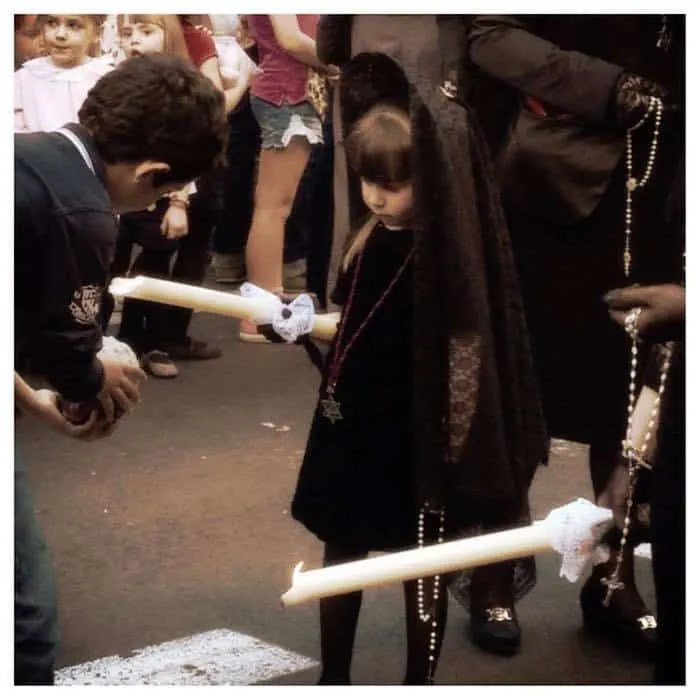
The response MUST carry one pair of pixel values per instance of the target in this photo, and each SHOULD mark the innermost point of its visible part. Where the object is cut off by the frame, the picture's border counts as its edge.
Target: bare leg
(279, 174)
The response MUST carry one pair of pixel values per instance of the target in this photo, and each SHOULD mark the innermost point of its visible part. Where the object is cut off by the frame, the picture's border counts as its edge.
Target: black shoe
(191, 349)
(626, 622)
(493, 623)
(495, 629)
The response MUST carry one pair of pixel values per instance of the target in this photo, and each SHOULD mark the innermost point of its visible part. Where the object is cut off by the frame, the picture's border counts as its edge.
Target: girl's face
(391, 204)
(142, 38)
(67, 39)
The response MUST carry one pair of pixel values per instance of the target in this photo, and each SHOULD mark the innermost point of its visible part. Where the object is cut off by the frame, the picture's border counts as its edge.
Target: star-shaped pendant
(331, 408)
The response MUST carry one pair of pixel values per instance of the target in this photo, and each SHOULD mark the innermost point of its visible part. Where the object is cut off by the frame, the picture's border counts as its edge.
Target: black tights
(339, 616)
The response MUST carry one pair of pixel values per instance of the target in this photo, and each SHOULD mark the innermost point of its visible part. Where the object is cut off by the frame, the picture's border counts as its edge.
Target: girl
(289, 126)
(50, 89)
(356, 485)
(390, 57)
(377, 473)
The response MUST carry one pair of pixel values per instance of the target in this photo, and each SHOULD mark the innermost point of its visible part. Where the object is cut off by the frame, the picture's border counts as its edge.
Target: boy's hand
(120, 390)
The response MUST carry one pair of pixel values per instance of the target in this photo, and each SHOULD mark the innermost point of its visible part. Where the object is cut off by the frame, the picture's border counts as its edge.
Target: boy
(146, 129)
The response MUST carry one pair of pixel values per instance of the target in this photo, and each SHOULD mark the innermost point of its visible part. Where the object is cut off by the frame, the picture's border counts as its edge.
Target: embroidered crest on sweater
(86, 304)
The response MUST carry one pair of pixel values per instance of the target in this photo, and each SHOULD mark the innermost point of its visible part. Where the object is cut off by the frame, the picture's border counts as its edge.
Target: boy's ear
(148, 168)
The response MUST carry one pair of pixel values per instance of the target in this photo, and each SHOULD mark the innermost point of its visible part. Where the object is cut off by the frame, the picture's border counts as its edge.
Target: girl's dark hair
(378, 150)
(158, 108)
(379, 146)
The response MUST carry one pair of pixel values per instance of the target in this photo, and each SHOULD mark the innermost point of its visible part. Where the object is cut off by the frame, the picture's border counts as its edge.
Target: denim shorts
(278, 124)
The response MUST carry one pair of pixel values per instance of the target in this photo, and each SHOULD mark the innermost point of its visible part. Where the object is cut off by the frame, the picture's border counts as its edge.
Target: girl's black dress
(356, 486)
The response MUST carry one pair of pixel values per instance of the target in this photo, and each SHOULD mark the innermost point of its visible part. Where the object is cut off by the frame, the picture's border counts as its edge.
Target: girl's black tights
(339, 617)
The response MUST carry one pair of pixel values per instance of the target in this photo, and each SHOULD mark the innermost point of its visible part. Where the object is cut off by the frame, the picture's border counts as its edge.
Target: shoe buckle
(647, 622)
(498, 615)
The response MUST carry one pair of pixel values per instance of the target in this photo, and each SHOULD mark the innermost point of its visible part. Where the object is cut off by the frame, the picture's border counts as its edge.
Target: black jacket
(571, 63)
(65, 231)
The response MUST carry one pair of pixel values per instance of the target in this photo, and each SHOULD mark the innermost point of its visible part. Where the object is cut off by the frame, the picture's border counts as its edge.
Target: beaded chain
(423, 616)
(632, 184)
(635, 458)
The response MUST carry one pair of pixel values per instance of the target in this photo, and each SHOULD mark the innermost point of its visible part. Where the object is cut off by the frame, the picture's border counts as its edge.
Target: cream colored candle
(415, 563)
(209, 300)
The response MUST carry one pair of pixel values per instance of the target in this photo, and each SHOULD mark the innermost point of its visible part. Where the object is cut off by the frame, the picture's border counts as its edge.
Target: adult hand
(332, 74)
(120, 390)
(633, 97)
(662, 309)
(174, 224)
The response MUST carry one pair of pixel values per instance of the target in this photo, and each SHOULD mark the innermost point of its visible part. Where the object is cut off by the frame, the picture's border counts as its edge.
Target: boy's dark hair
(158, 108)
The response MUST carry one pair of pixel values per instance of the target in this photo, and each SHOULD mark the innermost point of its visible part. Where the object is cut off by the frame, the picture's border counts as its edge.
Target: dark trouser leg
(339, 616)
(140, 326)
(296, 238)
(668, 547)
(320, 215)
(424, 638)
(190, 268)
(36, 623)
(233, 222)
(668, 535)
(119, 267)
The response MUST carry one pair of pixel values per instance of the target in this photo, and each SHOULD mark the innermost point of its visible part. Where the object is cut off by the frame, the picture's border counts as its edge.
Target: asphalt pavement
(179, 524)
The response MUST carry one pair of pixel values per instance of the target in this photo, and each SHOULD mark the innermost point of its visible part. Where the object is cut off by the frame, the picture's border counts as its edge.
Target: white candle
(209, 300)
(325, 326)
(412, 564)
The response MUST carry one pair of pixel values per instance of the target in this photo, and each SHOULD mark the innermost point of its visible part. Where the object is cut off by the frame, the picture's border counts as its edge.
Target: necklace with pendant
(330, 406)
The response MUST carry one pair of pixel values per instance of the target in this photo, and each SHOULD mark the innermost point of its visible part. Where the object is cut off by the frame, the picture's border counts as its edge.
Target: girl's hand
(175, 224)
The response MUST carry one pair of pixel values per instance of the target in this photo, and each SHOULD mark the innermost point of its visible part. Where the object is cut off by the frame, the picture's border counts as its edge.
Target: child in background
(50, 89)
(27, 39)
(156, 231)
(289, 125)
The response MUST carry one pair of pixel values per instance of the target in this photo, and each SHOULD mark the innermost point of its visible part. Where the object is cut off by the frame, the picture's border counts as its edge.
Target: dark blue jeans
(309, 229)
(36, 620)
(233, 222)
